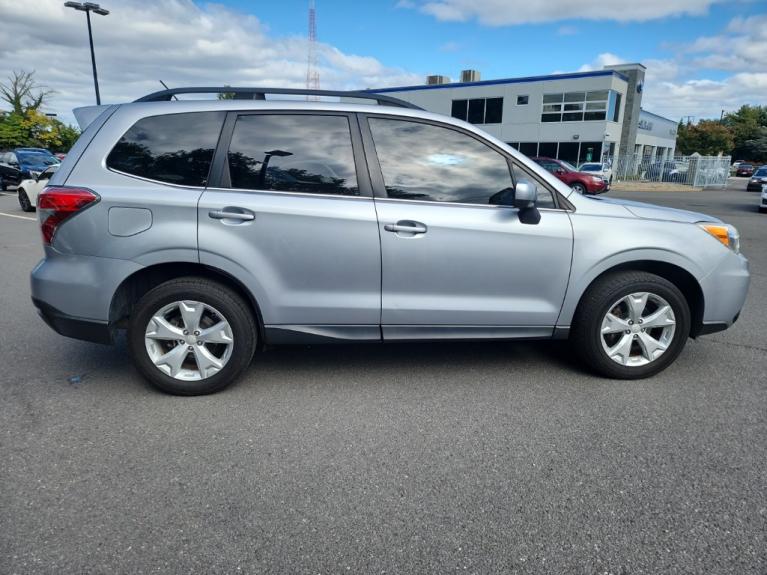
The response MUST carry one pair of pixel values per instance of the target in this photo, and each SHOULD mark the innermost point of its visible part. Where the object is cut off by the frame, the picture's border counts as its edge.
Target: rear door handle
(406, 226)
(229, 214)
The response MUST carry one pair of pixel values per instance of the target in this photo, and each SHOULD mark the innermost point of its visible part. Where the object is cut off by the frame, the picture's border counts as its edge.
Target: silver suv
(210, 228)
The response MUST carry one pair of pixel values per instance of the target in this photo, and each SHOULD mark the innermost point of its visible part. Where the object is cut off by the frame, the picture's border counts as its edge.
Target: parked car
(763, 203)
(745, 170)
(603, 169)
(581, 182)
(390, 224)
(667, 171)
(23, 163)
(29, 189)
(758, 178)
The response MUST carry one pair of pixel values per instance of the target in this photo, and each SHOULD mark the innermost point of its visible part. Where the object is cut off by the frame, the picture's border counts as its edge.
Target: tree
(707, 137)
(23, 93)
(745, 124)
(755, 149)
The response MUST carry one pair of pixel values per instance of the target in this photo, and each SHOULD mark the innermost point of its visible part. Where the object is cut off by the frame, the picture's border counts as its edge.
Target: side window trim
(219, 174)
(376, 174)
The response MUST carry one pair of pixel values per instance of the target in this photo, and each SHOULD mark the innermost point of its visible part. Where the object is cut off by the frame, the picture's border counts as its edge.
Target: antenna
(312, 74)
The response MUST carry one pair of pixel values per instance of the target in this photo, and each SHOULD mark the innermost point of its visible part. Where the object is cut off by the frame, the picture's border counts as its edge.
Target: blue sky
(702, 56)
(411, 39)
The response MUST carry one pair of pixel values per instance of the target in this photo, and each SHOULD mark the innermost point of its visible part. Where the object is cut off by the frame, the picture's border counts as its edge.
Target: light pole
(89, 7)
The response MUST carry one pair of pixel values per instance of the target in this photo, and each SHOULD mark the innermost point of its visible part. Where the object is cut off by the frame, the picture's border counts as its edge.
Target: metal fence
(697, 171)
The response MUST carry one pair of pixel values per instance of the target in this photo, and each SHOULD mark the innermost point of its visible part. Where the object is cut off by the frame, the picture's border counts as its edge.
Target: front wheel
(631, 325)
(578, 187)
(191, 336)
(24, 202)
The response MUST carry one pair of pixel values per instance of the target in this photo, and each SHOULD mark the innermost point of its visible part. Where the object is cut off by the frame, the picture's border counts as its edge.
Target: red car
(582, 182)
(746, 170)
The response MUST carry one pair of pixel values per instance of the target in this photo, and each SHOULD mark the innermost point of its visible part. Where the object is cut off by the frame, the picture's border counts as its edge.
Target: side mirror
(525, 198)
(525, 195)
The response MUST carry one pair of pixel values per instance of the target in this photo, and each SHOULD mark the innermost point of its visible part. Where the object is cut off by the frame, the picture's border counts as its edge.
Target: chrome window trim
(285, 193)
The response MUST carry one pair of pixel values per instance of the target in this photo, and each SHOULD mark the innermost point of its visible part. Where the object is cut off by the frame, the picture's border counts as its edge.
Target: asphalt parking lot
(429, 458)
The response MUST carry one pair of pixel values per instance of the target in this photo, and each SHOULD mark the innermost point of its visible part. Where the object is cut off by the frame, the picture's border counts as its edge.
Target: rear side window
(293, 153)
(174, 148)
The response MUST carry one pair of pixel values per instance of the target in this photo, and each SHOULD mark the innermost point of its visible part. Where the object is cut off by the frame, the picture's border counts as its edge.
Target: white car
(603, 170)
(763, 204)
(29, 189)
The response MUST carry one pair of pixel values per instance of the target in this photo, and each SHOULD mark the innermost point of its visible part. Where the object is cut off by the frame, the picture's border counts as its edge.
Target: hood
(653, 212)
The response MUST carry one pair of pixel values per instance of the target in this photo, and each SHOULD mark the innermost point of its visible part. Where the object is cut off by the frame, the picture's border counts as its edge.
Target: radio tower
(312, 74)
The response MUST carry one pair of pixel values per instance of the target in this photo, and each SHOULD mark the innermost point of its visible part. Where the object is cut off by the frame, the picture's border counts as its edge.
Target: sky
(702, 56)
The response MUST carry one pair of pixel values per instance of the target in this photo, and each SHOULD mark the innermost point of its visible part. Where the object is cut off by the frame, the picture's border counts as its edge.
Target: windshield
(567, 166)
(37, 158)
(746, 166)
(591, 168)
(761, 172)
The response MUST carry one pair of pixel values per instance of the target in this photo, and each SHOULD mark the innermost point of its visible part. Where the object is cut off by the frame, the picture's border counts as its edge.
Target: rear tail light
(58, 203)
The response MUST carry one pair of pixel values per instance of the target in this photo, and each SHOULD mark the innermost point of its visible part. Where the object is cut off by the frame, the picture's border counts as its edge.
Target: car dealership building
(572, 117)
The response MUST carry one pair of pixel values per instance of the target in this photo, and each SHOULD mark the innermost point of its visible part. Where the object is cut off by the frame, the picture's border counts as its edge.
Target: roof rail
(260, 94)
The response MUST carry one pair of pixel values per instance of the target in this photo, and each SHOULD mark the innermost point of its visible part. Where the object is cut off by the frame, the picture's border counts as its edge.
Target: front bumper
(724, 293)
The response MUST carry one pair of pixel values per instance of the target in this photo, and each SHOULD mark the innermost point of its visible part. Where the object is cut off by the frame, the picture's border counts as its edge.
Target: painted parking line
(18, 217)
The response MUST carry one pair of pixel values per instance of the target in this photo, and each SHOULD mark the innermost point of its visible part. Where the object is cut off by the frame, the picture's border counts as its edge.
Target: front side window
(293, 153)
(426, 162)
(173, 148)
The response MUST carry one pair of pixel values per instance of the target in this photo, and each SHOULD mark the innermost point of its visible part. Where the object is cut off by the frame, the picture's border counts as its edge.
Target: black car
(22, 163)
(758, 179)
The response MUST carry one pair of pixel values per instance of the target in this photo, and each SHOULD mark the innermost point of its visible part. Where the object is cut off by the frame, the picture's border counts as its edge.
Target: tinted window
(459, 109)
(522, 100)
(425, 162)
(174, 148)
(477, 111)
(293, 153)
(494, 111)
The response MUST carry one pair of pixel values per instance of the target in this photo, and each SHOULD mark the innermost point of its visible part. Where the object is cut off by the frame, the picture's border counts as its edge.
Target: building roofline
(642, 110)
(522, 80)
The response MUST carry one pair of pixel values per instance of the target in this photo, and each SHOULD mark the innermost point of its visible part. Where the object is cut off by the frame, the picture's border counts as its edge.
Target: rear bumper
(75, 327)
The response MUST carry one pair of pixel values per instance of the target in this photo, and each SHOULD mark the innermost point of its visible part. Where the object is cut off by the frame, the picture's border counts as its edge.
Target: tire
(580, 188)
(3, 185)
(762, 210)
(24, 202)
(220, 304)
(602, 297)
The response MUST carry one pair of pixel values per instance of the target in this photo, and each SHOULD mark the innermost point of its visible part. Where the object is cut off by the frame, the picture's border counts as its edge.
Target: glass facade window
(529, 148)
(523, 100)
(478, 110)
(581, 106)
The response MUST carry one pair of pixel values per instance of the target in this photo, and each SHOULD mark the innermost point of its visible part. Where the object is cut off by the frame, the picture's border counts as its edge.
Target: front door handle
(228, 214)
(407, 227)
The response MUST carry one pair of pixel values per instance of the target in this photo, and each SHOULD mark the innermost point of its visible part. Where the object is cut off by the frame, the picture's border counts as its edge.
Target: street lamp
(89, 7)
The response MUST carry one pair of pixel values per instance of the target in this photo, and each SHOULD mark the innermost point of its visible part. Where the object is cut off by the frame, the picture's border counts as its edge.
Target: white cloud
(567, 30)
(604, 59)
(176, 41)
(742, 46)
(505, 13)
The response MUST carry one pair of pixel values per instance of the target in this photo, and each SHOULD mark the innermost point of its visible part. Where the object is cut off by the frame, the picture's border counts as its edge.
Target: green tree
(745, 125)
(755, 149)
(707, 137)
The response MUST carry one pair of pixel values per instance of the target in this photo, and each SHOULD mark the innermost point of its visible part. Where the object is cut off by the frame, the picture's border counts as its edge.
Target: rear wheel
(578, 187)
(631, 325)
(3, 185)
(24, 202)
(191, 336)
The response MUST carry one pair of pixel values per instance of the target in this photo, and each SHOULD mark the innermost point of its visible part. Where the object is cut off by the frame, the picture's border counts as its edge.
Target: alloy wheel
(189, 340)
(638, 329)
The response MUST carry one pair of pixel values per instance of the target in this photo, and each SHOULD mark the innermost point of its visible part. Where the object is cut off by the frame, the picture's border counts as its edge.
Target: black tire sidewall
(590, 321)
(221, 298)
(25, 204)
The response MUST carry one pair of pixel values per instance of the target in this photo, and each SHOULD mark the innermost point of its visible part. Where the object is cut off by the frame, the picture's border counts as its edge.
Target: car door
(290, 212)
(454, 262)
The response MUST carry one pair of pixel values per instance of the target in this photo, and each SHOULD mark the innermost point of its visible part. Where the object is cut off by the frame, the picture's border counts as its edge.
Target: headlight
(725, 233)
